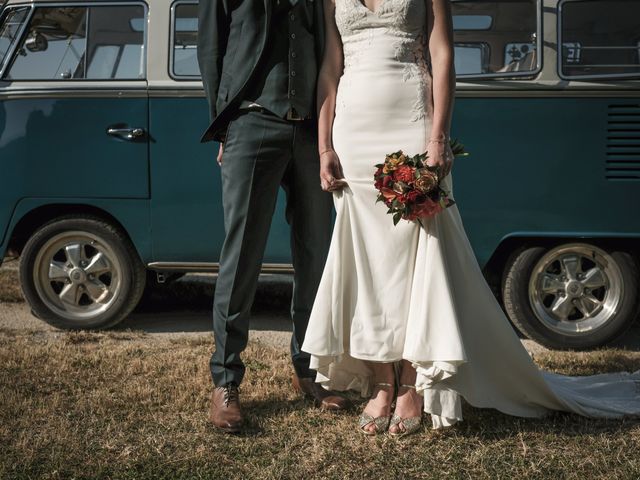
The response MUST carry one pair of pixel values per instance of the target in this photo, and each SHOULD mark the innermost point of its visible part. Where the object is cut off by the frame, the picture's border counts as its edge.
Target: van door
(74, 104)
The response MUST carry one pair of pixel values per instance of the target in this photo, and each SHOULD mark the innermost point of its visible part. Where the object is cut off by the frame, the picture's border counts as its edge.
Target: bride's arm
(328, 78)
(440, 34)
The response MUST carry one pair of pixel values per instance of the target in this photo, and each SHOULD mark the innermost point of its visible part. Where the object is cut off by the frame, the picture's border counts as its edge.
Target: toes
(395, 428)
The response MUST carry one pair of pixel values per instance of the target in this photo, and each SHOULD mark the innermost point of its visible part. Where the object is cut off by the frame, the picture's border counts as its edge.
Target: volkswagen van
(104, 185)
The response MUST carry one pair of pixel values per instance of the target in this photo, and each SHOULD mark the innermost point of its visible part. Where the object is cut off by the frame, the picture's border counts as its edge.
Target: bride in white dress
(408, 304)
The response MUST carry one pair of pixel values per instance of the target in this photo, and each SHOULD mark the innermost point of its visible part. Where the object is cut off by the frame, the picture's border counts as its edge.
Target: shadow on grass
(186, 305)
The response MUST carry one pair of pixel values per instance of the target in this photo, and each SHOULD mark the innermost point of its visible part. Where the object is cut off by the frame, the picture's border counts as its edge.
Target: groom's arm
(213, 33)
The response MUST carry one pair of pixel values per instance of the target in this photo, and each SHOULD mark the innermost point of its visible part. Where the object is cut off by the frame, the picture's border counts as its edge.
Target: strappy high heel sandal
(381, 423)
(409, 425)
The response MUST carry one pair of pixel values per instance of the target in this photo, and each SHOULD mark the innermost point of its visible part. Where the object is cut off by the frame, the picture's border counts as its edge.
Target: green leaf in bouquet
(396, 218)
(458, 148)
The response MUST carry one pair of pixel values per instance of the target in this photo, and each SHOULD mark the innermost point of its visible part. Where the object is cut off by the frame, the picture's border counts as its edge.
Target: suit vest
(286, 76)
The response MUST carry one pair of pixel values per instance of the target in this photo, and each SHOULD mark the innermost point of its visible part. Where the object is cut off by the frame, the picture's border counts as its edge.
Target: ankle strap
(383, 384)
(408, 386)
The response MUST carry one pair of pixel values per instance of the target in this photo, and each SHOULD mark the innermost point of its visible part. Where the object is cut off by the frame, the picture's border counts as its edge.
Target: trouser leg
(309, 213)
(255, 157)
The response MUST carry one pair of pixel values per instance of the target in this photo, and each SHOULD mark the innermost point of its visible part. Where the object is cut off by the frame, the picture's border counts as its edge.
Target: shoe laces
(230, 394)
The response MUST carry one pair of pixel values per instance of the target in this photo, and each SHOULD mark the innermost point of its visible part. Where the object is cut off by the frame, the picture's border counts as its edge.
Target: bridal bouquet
(410, 188)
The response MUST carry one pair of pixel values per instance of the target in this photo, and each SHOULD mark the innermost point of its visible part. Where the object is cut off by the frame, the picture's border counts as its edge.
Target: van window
(599, 38)
(184, 34)
(78, 43)
(9, 28)
(496, 38)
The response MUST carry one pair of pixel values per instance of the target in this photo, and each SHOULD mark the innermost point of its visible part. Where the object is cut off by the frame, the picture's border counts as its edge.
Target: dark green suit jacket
(232, 36)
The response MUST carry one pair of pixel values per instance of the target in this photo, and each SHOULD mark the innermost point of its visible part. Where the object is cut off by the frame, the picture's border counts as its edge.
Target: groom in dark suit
(259, 61)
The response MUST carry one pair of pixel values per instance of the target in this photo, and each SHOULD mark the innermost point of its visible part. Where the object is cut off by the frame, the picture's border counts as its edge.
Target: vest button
(293, 35)
(294, 54)
(293, 73)
(293, 92)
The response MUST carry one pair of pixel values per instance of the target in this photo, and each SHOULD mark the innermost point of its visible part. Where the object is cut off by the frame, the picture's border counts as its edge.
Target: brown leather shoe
(225, 412)
(322, 398)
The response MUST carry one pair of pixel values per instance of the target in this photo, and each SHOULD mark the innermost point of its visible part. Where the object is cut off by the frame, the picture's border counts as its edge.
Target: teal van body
(555, 154)
(518, 189)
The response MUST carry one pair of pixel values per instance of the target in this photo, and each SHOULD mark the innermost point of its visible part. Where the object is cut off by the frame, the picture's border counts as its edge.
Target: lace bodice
(403, 16)
(389, 38)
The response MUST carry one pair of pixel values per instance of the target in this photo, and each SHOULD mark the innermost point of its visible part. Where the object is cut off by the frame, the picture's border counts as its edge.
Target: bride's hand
(331, 176)
(440, 154)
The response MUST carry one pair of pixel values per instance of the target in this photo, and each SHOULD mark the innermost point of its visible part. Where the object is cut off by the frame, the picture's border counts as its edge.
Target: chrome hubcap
(575, 288)
(77, 275)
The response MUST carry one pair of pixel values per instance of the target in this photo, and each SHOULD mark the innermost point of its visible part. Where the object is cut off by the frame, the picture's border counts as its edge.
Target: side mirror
(36, 42)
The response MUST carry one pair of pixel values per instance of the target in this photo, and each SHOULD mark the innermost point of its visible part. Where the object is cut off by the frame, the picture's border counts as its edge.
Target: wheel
(80, 272)
(572, 296)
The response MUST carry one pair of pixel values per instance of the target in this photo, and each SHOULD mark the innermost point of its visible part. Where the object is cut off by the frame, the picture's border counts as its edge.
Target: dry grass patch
(10, 282)
(129, 405)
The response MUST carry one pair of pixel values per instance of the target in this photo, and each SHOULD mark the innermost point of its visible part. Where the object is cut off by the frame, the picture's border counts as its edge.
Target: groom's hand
(331, 176)
(219, 159)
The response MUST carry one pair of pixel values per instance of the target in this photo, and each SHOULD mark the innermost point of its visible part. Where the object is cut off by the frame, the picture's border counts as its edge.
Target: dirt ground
(183, 309)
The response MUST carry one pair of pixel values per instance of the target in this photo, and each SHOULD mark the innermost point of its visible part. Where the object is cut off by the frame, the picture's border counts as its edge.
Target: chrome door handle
(126, 133)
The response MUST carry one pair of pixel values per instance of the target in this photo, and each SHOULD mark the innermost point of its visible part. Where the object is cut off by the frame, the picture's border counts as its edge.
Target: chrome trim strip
(172, 19)
(629, 94)
(7, 94)
(213, 267)
(465, 92)
(610, 91)
(539, 53)
(559, 54)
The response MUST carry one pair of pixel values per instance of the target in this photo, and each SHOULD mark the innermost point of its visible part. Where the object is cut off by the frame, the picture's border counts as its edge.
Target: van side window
(611, 49)
(9, 28)
(184, 34)
(496, 39)
(82, 43)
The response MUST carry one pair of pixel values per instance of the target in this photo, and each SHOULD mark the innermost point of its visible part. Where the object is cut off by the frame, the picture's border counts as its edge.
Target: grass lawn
(10, 283)
(133, 405)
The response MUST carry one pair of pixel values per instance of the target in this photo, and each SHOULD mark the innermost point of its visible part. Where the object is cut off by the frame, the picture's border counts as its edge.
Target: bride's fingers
(330, 184)
(338, 184)
(327, 181)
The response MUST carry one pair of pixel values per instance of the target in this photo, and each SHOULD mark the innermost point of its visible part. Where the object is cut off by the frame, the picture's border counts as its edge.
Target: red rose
(428, 209)
(387, 180)
(413, 195)
(404, 173)
(388, 193)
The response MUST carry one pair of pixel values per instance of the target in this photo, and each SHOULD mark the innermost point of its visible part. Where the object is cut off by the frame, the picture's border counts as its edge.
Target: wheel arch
(38, 216)
(512, 244)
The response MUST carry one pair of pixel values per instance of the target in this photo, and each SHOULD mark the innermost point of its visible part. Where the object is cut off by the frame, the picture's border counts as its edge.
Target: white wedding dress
(406, 292)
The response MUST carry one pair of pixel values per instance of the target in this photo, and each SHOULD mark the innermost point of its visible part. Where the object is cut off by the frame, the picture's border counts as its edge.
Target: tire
(571, 296)
(81, 272)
